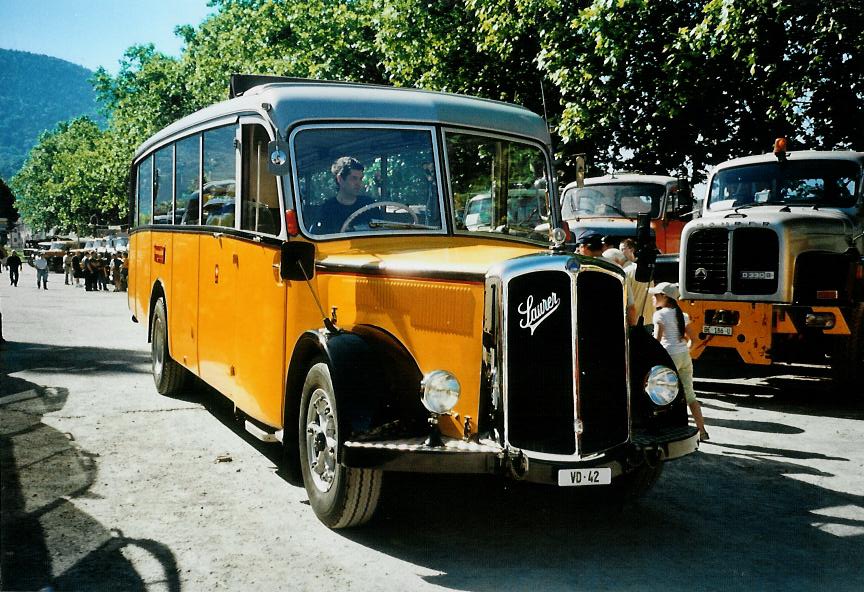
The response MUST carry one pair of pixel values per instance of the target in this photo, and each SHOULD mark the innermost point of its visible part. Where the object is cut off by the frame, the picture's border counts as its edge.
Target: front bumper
(488, 457)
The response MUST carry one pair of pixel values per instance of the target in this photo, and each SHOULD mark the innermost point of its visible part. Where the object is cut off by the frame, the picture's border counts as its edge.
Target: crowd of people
(97, 270)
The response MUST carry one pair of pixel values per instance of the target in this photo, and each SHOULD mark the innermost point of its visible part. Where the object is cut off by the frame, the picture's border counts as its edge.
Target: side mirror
(277, 157)
(297, 261)
(646, 249)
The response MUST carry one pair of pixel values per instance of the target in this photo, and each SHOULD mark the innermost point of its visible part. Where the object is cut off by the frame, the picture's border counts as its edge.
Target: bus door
(218, 307)
(183, 315)
(260, 300)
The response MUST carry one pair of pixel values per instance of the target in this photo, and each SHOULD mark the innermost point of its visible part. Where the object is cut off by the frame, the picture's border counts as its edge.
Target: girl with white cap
(673, 330)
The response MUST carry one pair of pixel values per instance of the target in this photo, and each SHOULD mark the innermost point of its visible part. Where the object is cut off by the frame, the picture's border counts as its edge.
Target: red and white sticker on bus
(159, 253)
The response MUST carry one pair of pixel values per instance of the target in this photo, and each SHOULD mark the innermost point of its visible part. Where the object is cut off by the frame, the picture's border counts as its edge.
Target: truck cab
(611, 204)
(773, 267)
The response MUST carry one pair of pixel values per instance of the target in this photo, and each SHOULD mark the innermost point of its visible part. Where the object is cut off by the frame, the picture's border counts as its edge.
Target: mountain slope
(36, 93)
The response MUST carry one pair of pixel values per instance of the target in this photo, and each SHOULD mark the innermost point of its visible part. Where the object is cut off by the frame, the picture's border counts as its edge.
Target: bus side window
(259, 198)
(188, 180)
(220, 188)
(145, 191)
(163, 184)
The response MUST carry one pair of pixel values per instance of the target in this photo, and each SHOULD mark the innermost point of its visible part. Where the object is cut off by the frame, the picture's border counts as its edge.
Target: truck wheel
(637, 483)
(168, 375)
(847, 363)
(341, 497)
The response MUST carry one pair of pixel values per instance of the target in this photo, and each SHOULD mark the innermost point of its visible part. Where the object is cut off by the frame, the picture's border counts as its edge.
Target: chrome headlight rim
(440, 391)
(661, 385)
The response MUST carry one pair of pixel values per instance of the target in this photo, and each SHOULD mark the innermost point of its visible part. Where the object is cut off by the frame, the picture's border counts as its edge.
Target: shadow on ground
(74, 360)
(43, 472)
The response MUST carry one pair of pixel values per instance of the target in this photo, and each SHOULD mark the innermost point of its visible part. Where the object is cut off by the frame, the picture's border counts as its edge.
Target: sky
(93, 33)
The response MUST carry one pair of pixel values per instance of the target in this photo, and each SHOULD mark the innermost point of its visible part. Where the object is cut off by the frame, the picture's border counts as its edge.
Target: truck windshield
(613, 200)
(830, 183)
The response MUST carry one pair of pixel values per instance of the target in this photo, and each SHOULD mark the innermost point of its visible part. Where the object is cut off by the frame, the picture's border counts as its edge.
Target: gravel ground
(108, 486)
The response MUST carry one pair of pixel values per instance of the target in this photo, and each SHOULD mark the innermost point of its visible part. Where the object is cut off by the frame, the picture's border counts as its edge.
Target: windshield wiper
(615, 209)
(400, 225)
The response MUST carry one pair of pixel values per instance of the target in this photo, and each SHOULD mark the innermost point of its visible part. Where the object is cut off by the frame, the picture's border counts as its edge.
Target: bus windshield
(379, 179)
(368, 179)
(612, 200)
(830, 183)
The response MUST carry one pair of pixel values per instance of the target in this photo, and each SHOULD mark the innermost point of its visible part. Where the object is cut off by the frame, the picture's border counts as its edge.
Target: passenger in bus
(348, 175)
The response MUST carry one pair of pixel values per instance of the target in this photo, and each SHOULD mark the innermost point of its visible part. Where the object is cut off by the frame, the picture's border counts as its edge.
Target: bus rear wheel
(168, 375)
(341, 497)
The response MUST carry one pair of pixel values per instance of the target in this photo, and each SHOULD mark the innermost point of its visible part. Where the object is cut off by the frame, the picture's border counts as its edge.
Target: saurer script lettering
(534, 315)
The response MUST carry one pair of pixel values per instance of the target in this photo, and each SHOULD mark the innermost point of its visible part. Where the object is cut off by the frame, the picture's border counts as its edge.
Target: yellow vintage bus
(302, 248)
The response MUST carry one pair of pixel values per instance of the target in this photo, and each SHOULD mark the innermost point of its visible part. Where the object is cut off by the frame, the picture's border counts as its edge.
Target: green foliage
(661, 86)
(679, 85)
(69, 177)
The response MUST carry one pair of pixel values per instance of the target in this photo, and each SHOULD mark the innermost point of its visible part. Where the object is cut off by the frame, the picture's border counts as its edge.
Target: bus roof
(296, 101)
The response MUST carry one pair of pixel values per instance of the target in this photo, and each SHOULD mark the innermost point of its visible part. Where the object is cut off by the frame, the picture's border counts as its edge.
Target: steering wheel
(378, 204)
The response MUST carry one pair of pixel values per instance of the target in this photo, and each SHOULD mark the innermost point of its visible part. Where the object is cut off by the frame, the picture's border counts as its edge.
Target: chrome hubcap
(321, 442)
(158, 346)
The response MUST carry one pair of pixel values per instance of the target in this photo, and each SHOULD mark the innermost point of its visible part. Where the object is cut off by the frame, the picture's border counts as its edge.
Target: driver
(348, 174)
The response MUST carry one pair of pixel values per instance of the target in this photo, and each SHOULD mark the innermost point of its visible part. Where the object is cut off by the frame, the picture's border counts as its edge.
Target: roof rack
(240, 83)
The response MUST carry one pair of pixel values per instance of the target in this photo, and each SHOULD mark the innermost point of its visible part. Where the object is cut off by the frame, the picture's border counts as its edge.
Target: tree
(322, 39)
(7, 205)
(69, 177)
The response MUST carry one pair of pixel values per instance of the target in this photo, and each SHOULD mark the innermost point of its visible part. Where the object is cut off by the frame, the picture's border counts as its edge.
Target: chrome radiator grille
(565, 372)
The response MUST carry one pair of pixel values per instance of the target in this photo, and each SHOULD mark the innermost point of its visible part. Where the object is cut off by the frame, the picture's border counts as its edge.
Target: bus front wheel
(168, 375)
(341, 497)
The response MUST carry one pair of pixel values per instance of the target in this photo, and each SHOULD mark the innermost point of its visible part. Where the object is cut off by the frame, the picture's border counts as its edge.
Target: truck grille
(707, 259)
(542, 407)
(755, 259)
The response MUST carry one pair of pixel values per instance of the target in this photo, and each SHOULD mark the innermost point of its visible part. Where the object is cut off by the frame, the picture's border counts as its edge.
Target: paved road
(107, 486)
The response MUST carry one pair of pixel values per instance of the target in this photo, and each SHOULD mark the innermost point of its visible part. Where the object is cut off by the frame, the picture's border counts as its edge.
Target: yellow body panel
(234, 322)
(183, 314)
(751, 337)
(757, 325)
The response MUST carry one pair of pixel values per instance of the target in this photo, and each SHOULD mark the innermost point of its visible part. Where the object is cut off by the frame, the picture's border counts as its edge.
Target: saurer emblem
(533, 315)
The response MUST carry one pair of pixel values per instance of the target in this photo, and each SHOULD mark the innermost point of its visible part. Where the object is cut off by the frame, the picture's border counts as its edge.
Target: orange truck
(611, 204)
(773, 268)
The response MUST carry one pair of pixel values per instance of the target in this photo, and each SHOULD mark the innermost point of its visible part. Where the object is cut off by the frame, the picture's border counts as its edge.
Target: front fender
(645, 353)
(375, 379)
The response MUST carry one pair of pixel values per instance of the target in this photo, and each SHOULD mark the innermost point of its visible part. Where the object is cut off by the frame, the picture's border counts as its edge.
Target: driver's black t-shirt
(334, 214)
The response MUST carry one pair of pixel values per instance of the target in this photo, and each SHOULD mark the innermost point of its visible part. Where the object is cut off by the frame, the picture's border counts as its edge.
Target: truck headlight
(440, 391)
(662, 385)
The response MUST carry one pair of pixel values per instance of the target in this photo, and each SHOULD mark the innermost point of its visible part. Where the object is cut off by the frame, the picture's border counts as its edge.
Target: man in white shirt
(41, 265)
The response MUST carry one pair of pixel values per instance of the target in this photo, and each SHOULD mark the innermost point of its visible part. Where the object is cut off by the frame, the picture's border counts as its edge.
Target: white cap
(667, 289)
(616, 256)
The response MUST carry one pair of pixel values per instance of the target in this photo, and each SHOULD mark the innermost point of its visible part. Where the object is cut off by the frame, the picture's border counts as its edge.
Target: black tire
(637, 483)
(168, 375)
(341, 497)
(847, 361)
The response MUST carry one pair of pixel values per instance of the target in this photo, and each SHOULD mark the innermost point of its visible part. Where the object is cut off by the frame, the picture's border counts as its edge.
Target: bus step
(262, 435)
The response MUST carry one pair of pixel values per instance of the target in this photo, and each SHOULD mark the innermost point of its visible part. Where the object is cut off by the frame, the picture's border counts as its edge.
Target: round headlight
(440, 391)
(662, 385)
